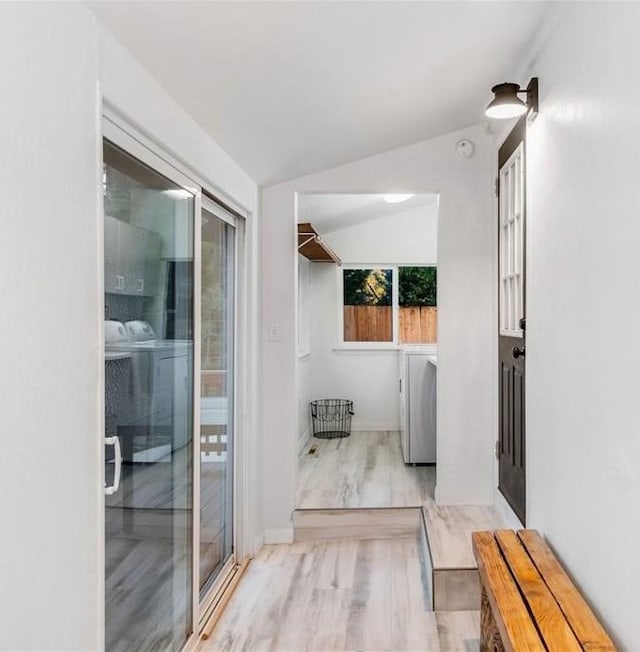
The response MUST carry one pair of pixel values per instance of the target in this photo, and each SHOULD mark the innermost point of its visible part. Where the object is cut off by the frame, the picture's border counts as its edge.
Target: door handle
(518, 352)
(115, 442)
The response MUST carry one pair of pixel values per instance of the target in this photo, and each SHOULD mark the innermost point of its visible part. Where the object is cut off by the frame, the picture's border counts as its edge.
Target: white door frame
(211, 596)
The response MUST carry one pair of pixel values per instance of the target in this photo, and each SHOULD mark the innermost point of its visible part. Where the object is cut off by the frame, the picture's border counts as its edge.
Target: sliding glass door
(170, 374)
(149, 405)
(217, 311)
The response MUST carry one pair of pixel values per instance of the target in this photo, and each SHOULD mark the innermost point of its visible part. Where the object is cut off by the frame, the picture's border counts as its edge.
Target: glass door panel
(148, 303)
(217, 383)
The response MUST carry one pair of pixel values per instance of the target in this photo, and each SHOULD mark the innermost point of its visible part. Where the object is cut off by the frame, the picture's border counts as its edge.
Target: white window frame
(393, 344)
(511, 244)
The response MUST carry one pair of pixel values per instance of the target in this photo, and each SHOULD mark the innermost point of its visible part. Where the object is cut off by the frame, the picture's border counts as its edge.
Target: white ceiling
(332, 212)
(289, 88)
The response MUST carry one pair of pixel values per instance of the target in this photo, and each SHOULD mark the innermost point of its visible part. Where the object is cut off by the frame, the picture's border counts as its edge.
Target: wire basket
(331, 417)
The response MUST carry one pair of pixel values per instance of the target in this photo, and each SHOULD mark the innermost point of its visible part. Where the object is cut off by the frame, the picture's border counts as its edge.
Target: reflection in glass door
(217, 396)
(148, 304)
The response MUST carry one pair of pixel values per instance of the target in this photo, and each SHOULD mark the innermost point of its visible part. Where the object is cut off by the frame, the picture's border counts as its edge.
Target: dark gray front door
(511, 336)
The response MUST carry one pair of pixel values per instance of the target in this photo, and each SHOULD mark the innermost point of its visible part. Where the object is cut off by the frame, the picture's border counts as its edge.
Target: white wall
(369, 378)
(305, 394)
(54, 63)
(305, 325)
(583, 429)
(465, 347)
(50, 408)
(409, 237)
(132, 92)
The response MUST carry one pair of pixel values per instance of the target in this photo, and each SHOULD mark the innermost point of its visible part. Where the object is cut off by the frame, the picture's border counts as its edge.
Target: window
(417, 300)
(389, 304)
(367, 300)
(511, 244)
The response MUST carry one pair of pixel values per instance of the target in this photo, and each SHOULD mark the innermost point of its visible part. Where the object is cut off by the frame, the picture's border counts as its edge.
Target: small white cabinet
(131, 258)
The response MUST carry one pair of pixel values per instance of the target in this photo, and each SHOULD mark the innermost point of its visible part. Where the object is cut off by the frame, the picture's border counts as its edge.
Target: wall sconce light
(507, 104)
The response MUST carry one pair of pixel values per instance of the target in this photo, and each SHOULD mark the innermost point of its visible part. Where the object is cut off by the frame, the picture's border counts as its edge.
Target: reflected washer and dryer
(418, 406)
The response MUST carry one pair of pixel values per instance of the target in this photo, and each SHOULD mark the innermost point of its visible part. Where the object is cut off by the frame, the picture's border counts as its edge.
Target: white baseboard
(258, 542)
(278, 535)
(303, 441)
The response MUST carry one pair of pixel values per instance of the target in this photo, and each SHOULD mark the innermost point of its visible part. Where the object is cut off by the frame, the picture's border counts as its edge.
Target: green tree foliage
(367, 287)
(417, 286)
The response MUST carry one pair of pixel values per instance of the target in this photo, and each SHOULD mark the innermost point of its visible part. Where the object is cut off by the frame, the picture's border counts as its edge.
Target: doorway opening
(367, 333)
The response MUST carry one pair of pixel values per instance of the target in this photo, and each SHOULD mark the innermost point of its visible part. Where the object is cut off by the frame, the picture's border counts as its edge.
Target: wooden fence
(417, 324)
(367, 324)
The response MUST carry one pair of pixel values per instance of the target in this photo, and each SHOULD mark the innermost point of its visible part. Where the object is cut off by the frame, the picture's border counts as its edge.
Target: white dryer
(417, 386)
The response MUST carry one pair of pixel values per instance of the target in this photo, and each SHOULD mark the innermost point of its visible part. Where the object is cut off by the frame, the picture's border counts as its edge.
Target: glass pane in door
(148, 310)
(216, 430)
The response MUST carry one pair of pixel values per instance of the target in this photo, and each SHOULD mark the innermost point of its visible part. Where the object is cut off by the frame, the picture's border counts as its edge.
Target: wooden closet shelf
(313, 247)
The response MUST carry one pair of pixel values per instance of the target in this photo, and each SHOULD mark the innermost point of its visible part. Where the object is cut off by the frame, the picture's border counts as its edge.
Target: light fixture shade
(396, 198)
(506, 103)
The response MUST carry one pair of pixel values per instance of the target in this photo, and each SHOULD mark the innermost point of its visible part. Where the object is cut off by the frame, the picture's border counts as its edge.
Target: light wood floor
(455, 577)
(338, 596)
(329, 593)
(363, 470)
(449, 530)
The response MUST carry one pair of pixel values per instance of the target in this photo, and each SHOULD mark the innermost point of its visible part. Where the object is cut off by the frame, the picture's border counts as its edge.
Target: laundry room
(367, 350)
(148, 326)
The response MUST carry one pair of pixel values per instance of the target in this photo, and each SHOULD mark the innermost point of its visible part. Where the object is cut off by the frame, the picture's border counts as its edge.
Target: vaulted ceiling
(290, 88)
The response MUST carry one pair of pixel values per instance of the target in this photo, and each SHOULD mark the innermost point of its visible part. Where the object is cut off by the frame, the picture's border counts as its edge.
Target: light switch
(273, 331)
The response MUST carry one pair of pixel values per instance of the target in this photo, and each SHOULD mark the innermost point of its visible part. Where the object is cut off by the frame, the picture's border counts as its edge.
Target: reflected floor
(148, 543)
(365, 469)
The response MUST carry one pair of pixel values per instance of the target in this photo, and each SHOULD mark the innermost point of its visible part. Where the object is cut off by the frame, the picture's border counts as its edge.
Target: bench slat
(517, 630)
(550, 621)
(585, 625)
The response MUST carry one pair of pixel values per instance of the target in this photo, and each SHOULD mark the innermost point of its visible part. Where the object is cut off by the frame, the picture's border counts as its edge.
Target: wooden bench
(528, 601)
